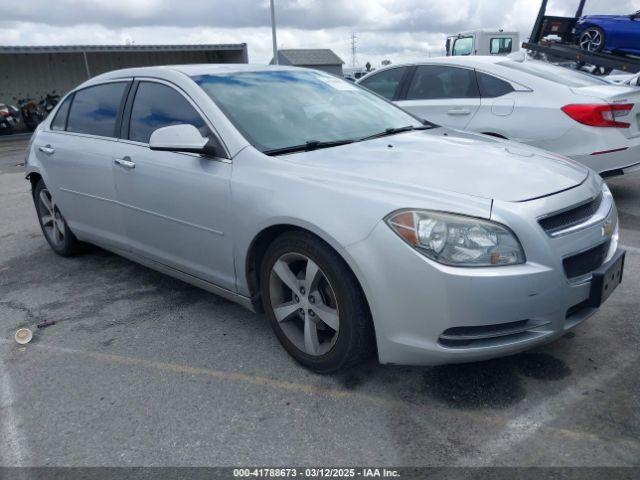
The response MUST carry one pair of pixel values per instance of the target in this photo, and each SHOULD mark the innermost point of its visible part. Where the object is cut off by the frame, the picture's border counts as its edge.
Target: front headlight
(457, 240)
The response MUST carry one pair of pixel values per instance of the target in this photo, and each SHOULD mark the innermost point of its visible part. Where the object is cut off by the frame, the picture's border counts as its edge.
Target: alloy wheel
(591, 40)
(304, 304)
(51, 218)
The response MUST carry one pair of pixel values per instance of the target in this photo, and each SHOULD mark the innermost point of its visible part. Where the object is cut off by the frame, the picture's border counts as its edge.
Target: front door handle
(125, 163)
(459, 111)
(47, 150)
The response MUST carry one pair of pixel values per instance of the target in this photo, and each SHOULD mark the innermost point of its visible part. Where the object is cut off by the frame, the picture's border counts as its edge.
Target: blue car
(613, 33)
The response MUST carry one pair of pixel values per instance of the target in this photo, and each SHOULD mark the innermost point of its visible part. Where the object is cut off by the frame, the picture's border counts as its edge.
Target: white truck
(483, 42)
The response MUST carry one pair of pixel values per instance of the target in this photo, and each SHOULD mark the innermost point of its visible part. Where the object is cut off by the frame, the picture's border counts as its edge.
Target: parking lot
(141, 369)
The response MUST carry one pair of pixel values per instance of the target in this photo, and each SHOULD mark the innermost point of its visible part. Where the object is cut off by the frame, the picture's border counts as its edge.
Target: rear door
(498, 101)
(442, 94)
(176, 206)
(77, 153)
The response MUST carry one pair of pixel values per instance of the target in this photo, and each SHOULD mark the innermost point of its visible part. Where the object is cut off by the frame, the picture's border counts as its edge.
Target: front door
(176, 206)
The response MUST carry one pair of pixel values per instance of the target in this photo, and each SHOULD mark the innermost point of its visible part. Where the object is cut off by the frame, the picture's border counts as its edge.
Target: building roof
(118, 48)
(302, 56)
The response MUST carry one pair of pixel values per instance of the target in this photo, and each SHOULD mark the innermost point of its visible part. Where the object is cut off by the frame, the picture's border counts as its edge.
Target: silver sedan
(355, 227)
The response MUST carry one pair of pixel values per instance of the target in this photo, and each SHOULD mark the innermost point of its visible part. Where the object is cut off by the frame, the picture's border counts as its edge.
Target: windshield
(554, 73)
(463, 46)
(283, 108)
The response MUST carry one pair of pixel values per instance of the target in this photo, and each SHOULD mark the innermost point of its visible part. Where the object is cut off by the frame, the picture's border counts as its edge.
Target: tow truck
(483, 42)
(554, 37)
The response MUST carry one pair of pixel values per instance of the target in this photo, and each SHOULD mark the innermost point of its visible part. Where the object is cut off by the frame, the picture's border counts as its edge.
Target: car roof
(192, 70)
(471, 61)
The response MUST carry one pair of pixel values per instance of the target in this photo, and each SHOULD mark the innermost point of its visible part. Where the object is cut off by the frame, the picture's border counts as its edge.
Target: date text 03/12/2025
(315, 473)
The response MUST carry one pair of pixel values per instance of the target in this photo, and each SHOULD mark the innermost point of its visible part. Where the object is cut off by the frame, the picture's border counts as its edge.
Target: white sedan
(565, 111)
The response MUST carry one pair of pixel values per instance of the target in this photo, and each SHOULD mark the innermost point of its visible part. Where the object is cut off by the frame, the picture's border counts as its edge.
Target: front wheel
(592, 40)
(315, 304)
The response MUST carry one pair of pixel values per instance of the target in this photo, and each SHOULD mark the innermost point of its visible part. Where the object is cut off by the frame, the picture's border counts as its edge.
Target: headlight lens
(457, 240)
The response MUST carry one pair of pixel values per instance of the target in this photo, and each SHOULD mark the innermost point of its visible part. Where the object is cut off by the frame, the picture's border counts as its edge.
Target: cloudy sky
(400, 30)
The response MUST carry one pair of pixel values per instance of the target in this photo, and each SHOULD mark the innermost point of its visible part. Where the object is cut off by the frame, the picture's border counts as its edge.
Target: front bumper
(420, 306)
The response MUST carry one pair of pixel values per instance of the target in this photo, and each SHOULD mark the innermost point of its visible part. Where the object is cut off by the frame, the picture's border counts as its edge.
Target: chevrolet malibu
(355, 227)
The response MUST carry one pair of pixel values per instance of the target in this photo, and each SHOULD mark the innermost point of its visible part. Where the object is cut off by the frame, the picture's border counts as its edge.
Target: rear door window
(435, 82)
(385, 83)
(94, 110)
(156, 106)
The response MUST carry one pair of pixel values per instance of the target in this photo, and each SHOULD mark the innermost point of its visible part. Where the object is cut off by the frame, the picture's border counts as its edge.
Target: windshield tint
(283, 108)
(553, 73)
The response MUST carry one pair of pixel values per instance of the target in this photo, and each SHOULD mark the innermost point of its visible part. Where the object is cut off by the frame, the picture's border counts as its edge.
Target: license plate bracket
(606, 279)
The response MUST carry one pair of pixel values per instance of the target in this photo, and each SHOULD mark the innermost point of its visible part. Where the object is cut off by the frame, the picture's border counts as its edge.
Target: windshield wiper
(394, 131)
(307, 147)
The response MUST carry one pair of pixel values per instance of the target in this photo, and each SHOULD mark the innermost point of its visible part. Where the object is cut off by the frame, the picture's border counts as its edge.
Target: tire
(593, 40)
(54, 226)
(340, 303)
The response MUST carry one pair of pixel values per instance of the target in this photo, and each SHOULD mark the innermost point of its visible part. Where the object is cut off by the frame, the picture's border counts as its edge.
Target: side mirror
(184, 138)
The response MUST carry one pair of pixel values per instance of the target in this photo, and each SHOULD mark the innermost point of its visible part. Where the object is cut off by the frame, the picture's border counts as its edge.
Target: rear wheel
(592, 40)
(54, 226)
(315, 304)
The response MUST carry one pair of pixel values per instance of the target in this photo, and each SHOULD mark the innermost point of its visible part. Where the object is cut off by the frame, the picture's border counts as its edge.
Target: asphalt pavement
(141, 369)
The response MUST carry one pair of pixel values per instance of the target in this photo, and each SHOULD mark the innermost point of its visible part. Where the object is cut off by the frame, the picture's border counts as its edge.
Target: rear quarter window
(492, 87)
(60, 120)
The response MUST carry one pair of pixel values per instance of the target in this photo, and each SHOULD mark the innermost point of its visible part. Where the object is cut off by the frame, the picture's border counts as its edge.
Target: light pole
(273, 33)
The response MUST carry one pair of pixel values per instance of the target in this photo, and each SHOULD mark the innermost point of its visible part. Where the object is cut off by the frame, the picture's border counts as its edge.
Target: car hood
(449, 160)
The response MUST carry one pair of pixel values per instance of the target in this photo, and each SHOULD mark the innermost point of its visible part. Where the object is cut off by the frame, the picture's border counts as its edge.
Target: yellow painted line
(225, 376)
(303, 388)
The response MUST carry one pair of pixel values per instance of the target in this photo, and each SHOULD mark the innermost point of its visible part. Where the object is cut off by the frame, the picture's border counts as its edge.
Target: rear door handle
(125, 163)
(47, 150)
(459, 111)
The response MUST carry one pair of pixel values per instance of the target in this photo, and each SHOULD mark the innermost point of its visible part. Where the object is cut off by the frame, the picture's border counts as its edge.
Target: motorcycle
(9, 118)
(30, 113)
(48, 103)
